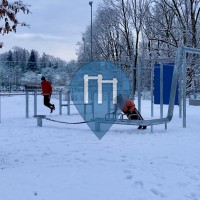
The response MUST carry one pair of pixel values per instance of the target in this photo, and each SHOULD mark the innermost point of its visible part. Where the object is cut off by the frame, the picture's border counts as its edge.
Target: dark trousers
(135, 115)
(47, 101)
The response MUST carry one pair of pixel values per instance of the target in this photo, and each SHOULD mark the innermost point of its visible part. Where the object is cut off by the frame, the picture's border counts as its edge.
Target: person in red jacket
(127, 106)
(46, 92)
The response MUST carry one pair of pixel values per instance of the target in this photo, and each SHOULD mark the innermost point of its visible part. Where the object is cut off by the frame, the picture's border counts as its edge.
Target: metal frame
(183, 51)
(179, 66)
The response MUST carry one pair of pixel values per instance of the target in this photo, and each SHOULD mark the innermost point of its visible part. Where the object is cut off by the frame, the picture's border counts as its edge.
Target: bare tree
(107, 34)
(160, 28)
(171, 23)
(187, 13)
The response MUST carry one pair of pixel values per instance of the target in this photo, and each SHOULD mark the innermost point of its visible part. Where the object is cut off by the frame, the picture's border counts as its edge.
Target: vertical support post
(91, 56)
(152, 89)
(39, 121)
(180, 85)
(109, 104)
(139, 74)
(35, 102)
(161, 90)
(165, 126)
(184, 88)
(27, 105)
(60, 102)
(174, 84)
(68, 103)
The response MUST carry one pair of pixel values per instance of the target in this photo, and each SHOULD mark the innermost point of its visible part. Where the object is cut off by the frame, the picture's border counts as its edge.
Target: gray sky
(55, 27)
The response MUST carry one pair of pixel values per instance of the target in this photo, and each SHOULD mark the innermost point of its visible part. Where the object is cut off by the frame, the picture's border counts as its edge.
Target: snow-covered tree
(30, 76)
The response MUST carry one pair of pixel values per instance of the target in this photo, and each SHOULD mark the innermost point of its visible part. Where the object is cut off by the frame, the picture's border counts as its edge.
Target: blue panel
(167, 80)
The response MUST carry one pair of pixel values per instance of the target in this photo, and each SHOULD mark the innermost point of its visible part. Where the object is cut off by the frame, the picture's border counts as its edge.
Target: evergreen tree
(32, 61)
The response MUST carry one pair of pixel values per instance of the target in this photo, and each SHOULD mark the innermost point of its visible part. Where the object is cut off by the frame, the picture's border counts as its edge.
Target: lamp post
(91, 58)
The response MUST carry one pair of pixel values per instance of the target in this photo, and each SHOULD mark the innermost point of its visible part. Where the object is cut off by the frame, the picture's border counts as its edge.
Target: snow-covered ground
(68, 162)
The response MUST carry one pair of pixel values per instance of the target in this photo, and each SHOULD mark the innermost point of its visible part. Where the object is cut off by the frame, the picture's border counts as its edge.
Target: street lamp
(90, 3)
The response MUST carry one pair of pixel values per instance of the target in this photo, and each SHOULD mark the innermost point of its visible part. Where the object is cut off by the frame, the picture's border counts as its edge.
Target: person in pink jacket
(46, 92)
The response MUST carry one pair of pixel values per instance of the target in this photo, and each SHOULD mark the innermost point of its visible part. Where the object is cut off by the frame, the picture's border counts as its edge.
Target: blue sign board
(167, 80)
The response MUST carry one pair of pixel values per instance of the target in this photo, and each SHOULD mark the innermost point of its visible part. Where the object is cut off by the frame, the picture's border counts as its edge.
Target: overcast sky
(55, 27)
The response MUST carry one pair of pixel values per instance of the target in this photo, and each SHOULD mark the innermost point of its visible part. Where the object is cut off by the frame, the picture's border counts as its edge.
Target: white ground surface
(59, 161)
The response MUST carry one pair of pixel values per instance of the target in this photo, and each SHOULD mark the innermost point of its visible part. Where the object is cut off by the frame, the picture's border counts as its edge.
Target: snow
(61, 161)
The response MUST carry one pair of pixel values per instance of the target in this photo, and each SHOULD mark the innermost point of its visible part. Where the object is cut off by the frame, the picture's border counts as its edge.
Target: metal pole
(152, 88)
(184, 89)
(39, 121)
(179, 67)
(68, 103)
(93, 105)
(131, 74)
(161, 90)
(180, 85)
(90, 3)
(139, 83)
(35, 102)
(108, 104)
(60, 102)
(27, 105)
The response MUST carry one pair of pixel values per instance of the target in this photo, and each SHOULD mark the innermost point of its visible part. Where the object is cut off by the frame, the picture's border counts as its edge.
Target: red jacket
(46, 87)
(128, 107)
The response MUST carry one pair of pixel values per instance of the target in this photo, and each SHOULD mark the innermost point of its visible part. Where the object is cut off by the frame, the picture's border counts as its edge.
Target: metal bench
(151, 122)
